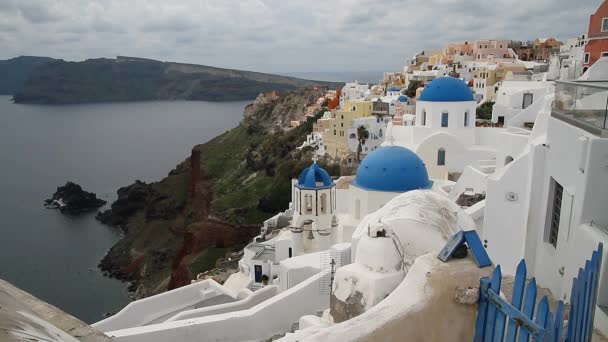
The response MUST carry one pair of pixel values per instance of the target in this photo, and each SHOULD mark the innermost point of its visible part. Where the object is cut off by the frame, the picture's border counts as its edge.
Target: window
(380, 133)
(290, 252)
(556, 208)
(527, 100)
(444, 119)
(334, 132)
(605, 25)
(308, 203)
(605, 54)
(587, 57)
(323, 203)
(342, 117)
(441, 156)
(423, 117)
(466, 119)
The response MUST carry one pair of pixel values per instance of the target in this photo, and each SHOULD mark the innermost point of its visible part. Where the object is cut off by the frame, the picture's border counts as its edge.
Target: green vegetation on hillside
(246, 179)
(252, 170)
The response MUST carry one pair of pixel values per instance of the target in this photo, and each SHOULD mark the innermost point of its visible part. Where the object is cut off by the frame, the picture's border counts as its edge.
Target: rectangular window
(587, 57)
(444, 119)
(605, 54)
(527, 100)
(466, 119)
(556, 209)
(441, 157)
(605, 25)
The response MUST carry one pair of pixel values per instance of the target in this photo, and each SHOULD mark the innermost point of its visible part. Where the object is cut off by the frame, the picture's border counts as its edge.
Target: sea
(102, 147)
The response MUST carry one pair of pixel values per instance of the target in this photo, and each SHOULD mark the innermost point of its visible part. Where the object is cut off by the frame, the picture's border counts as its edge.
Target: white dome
(422, 220)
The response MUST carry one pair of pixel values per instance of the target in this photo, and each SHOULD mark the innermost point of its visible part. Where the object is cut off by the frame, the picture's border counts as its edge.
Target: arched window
(508, 159)
(380, 133)
(323, 203)
(466, 119)
(308, 203)
(423, 121)
(444, 119)
(441, 156)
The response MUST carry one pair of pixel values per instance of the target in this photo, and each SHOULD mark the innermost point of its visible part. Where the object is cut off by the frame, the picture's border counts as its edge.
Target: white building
(353, 92)
(315, 141)
(547, 204)
(376, 127)
(444, 134)
(514, 96)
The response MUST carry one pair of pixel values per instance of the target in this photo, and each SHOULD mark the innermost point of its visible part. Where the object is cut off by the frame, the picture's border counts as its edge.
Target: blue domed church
(383, 174)
(324, 214)
(444, 134)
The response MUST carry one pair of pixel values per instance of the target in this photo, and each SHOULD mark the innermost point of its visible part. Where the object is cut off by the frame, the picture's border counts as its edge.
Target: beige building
(505, 69)
(492, 50)
(336, 137)
(484, 81)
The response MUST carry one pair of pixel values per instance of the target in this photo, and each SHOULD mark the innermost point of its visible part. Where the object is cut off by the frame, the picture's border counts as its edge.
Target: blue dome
(314, 177)
(402, 98)
(392, 168)
(393, 89)
(447, 89)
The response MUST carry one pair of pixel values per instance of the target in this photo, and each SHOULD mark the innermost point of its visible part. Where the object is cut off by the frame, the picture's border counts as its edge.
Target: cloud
(276, 35)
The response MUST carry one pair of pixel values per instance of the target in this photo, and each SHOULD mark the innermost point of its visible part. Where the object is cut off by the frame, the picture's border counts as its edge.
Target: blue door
(258, 273)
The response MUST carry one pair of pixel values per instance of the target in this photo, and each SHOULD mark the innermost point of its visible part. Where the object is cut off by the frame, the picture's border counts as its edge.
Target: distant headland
(44, 80)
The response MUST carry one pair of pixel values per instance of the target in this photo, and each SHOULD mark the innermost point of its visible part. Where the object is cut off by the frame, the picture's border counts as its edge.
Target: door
(258, 273)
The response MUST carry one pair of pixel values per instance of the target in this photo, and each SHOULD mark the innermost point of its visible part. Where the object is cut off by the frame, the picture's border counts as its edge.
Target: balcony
(583, 104)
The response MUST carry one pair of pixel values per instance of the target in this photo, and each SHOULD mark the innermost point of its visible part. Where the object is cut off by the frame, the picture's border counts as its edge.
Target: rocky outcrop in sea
(72, 199)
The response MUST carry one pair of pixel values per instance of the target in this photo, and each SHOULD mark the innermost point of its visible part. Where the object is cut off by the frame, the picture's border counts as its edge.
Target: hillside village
(500, 145)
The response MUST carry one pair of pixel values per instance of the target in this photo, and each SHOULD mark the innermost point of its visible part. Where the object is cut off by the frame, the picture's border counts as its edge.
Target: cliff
(138, 79)
(15, 71)
(213, 202)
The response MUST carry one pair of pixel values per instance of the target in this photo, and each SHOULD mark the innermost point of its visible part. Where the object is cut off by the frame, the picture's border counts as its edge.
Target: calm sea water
(102, 147)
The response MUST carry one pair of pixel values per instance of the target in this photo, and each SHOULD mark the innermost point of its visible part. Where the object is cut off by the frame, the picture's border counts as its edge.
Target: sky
(276, 35)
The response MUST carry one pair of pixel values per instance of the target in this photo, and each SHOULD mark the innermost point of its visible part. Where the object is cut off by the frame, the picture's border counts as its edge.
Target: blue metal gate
(499, 320)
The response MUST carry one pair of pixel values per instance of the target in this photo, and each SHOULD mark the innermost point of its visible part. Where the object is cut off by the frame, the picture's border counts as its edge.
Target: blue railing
(499, 320)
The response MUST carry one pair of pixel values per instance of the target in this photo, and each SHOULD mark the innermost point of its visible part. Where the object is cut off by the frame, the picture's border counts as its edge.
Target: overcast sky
(276, 35)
